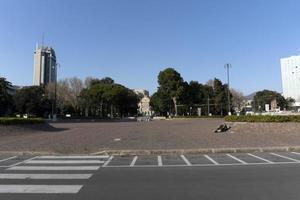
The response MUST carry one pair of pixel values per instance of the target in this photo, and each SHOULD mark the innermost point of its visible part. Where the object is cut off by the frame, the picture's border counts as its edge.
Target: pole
(227, 66)
(208, 106)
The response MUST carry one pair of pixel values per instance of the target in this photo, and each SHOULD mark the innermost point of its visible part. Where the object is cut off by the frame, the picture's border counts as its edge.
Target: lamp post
(227, 66)
(54, 110)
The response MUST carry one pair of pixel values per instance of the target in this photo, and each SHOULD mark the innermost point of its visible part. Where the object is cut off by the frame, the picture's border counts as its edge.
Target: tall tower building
(290, 74)
(44, 69)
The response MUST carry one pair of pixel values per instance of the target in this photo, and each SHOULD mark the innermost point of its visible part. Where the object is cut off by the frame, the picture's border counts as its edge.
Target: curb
(197, 151)
(164, 151)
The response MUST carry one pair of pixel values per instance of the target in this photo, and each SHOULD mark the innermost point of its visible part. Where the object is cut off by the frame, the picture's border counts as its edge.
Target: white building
(290, 74)
(44, 69)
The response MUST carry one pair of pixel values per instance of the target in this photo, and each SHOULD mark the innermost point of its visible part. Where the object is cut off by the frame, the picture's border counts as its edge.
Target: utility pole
(208, 106)
(227, 66)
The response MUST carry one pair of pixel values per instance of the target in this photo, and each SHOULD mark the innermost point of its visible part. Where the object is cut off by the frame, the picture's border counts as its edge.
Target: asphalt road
(279, 179)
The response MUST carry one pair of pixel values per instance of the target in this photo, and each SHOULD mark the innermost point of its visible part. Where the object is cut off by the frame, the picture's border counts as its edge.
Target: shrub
(263, 118)
(18, 121)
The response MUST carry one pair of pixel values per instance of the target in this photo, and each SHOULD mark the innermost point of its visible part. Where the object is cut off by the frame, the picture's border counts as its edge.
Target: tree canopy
(6, 101)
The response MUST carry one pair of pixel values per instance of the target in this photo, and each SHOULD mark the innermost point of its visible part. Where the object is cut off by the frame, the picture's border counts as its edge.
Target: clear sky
(132, 40)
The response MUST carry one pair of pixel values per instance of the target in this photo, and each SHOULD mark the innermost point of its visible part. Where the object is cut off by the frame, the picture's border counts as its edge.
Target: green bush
(195, 117)
(17, 121)
(263, 118)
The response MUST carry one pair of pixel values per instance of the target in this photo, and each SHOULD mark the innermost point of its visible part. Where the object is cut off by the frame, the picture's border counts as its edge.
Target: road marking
(40, 188)
(263, 159)
(159, 161)
(296, 153)
(8, 158)
(237, 159)
(187, 162)
(133, 161)
(79, 168)
(22, 161)
(285, 157)
(64, 161)
(45, 176)
(212, 160)
(203, 165)
(108, 161)
(72, 157)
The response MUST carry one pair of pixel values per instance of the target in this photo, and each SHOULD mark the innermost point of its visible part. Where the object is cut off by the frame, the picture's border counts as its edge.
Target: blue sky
(132, 40)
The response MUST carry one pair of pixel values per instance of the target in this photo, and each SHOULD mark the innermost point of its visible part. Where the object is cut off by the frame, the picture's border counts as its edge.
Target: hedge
(17, 121)
(200, 117)
(263, 118)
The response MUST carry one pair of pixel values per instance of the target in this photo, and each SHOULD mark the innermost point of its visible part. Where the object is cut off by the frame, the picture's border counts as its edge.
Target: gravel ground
(155, 135)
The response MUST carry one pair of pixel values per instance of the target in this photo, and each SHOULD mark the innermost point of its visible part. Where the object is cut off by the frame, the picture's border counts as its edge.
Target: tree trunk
(175, 105)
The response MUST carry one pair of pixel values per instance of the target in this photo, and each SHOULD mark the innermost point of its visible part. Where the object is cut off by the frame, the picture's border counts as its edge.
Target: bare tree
(237, 99)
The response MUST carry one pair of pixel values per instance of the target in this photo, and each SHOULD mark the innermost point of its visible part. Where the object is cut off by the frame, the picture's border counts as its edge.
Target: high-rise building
(44, 69)
(290, 74)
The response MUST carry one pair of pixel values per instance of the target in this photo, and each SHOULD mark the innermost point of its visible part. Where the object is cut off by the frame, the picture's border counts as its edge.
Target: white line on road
(296, 153)
(52, 168)
(64, 161)
(203, 165)
(235, 158)
(133, 161)
(108, 161)
(15, 164)
(45, 176)
(263, 159)
(187, 162)
(5, 159)
(40, 189)
(159, 161)
(212, 160)
(285, 157)
(72, 157)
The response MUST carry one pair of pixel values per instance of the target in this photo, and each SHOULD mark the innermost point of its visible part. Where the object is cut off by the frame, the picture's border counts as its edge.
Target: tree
(6, 100)
(237, 99)
(32, 100)
(160, 103)
(264, 97)
(68, 94)
(220, 97)
(104, 97)
(171, 84)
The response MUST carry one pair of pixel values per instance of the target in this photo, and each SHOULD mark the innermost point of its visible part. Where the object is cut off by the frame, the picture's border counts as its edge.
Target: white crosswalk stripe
(64, 161)
(41, 168)
(45, 176)
(55, 168)
(33, 189)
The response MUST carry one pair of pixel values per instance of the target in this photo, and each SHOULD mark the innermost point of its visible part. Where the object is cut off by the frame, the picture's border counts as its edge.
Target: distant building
(290, 74)
(144, 104)
(44, 69)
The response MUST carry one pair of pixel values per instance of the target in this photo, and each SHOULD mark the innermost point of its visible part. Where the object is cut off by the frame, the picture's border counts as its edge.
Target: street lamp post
(54, 109)
(227, 66)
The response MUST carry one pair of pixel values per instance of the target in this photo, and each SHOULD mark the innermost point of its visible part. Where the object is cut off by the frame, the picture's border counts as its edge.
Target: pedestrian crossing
(68, 174)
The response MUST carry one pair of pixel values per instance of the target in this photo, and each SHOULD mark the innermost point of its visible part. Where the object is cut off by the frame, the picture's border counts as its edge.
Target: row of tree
(105, 98)
(94, 97)
(175, 96)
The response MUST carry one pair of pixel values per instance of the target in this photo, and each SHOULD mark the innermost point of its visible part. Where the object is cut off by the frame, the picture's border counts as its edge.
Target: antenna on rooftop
(43, 38)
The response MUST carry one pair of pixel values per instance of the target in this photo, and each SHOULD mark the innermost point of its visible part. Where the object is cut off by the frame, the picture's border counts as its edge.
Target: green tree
(32, 100)
(104, 98)
(220, 97)
(160, 103)
(6, 100)
(171, 84)
(264, 97)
